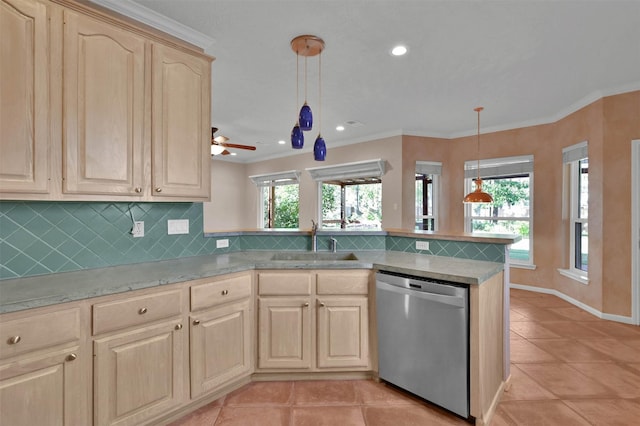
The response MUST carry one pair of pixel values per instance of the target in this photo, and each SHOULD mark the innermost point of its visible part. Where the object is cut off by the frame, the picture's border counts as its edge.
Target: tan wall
(608, 124)
(226, 211)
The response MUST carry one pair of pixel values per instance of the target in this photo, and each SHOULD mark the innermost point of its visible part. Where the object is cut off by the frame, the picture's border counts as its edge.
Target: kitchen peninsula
(181, 310)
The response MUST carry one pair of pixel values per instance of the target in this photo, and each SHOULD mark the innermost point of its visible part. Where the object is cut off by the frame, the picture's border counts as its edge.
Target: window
(510, 181)
(278, 199)
(350, 194)
(352, 204)
(576, 163)
(427, 192)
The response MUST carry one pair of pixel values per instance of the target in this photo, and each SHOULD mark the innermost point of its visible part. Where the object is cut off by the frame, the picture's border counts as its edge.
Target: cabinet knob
(72, 357)
(305, 305)
(13, 340)
(322, 304)
(178, 327)
(196, 322)
(142, 311)
(137, 190)
(158, 189)
(225, 292)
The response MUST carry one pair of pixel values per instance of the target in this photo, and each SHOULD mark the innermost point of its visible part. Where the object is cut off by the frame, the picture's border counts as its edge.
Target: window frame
(271, 180)
(503, 168)
(574, 217)
(367, 169)
(433, 169)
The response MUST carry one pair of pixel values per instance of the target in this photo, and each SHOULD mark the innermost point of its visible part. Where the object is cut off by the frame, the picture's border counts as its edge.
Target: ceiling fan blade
(233, 145)
(225, 152)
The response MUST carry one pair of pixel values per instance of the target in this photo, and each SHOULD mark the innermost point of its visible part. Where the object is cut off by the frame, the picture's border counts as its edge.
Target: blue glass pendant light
(297, 137)
(305, 45)
(305, 119)
(319, 149)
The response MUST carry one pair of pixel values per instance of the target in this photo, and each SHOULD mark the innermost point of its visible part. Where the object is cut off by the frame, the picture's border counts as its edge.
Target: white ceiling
(526, 62)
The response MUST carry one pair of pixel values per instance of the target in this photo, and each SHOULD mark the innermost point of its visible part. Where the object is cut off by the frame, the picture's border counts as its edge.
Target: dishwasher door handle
(457, 301)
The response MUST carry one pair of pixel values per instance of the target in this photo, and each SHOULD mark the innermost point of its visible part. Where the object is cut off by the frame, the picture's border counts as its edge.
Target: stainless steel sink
(310, 256)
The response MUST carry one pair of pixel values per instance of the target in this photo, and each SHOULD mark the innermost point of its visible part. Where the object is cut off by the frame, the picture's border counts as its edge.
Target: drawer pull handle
(179, 327)
(158, 189)
(138, 190)
(72, 357)
(142, 311)
(225, 292)
(196, 322)
(13, 340)
(305, 305)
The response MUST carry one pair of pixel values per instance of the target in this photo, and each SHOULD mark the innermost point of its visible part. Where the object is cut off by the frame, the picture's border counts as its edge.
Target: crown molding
(157, 20)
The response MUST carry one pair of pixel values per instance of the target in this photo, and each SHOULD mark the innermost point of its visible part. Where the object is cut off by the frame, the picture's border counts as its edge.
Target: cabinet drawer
(276, 284)
(219, 292)
(343, 282)
(39, 331)
(135, 311)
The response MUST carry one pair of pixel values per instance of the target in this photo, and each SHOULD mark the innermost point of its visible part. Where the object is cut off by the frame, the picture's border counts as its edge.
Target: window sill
(574, 276)
(529, 266)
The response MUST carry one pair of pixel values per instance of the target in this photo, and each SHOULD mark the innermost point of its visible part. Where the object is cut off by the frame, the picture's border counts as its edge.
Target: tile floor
(568, 368)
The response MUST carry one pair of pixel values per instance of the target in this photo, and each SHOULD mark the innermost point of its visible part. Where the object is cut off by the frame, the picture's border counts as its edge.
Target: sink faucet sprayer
(314, 236)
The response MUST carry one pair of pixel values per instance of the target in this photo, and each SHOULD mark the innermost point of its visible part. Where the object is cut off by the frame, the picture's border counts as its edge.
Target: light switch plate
(222, 243)
(177, 226)
(422, 245)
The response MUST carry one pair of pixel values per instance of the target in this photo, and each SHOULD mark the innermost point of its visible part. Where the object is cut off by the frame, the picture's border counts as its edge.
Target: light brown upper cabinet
(24, 92)
(103, 95)
(180, 117)
(96, 108)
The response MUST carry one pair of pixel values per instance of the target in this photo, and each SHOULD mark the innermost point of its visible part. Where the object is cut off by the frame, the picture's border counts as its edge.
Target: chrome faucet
(334, 245)
(314, 236)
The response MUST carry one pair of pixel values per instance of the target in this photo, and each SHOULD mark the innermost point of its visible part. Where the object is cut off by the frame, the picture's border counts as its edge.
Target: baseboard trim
(577, 303)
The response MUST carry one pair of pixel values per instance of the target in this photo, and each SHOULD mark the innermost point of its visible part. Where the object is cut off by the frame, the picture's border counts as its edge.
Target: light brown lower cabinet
(44, 367)
(343, 331)
(317, 320)
(43, 390)
(139, 374)
(220, 346)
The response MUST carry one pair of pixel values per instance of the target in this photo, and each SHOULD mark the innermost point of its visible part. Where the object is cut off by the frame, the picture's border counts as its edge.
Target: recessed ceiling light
(233, 153)
(281, 142)
(340, 128)
(399, 50)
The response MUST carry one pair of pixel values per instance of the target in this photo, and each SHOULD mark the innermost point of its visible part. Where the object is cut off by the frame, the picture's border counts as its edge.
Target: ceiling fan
(219, 144)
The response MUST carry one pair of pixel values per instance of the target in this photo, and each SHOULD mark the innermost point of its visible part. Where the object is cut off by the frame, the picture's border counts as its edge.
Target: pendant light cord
(478, 109)
(305, 79)
(297, 81)
(320, 93)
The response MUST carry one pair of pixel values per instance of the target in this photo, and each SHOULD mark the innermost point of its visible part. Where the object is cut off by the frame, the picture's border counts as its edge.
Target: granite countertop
(25, 293)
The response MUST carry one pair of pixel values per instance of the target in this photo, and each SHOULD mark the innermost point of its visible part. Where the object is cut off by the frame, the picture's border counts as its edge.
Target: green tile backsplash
(39, 238)
(460, 249)
(45, 237)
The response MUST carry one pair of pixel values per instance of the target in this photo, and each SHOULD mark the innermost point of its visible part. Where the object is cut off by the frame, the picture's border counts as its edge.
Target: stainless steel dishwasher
(423, 338)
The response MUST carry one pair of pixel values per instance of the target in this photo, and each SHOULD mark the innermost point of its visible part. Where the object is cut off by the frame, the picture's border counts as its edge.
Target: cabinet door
(343, 332)
(138, 375)
(103, 108)
(181, 135)
(47, 390)
(24, 89)
(220, 347)
(284, 333)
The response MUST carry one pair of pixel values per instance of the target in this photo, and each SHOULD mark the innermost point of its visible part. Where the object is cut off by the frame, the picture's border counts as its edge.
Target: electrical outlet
(177, 226)
(222, 243)
(422, 245)
(138, 229)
